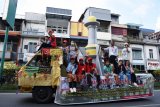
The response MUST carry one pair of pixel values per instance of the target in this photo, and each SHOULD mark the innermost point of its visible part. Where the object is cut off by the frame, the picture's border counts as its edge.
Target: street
(25, 100)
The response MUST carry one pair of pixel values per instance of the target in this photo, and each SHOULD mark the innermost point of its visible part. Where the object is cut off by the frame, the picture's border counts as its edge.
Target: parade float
(41, 76)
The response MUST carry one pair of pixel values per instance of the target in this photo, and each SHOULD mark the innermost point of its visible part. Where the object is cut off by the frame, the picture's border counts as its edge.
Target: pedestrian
(113, 54)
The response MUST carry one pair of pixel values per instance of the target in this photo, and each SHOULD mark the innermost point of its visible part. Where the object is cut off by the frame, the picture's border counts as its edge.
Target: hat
(72, 42)
(89, 59)
(65, 41)
(50, 31)
(120, 59)
(81, 59)
(126, 43)
(46, 34)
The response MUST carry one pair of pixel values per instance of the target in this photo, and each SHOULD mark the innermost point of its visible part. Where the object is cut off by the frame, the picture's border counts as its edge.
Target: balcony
(134, 39)
(150, 41)
(104, 35)
(62, 35)
(117, 37)
(33, 33)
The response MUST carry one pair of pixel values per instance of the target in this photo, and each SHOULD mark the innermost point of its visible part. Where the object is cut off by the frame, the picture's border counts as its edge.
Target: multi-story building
(144, 43)
(33, 28)
(14, 38)
(58, 20)
(152, 51)
(104, 17)
(110, 29)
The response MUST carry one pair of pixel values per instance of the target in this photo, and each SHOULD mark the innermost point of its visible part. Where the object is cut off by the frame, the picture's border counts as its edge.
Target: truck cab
(41, 75)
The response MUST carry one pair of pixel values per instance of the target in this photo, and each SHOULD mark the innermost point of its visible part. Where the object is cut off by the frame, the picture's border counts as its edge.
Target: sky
(144, 12)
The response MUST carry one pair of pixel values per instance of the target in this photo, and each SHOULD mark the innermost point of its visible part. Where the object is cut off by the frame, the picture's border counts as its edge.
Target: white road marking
(149, 105)
(156, 90)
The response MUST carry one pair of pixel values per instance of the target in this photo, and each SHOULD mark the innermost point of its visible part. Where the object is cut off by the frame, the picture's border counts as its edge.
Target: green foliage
(136, 70)
(156, 73)
(10, 72)
(6, 87)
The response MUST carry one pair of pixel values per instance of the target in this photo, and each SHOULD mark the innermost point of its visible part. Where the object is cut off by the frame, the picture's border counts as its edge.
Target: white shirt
(112, 50)
(126, 54)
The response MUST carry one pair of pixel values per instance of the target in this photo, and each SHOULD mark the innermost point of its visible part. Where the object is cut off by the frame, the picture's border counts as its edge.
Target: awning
(10, 33)
(59, 35)
(79, 37)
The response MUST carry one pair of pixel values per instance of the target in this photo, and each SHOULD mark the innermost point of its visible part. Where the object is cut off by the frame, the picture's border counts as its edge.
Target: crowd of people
(118, 72)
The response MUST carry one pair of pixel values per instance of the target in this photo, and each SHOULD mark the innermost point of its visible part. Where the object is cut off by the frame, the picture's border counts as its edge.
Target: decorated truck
(43, 76)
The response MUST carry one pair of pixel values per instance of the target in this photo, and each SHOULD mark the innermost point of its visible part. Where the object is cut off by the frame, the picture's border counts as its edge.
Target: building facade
(33, 28)
(144, 43)
(14, 38)
(58, 20)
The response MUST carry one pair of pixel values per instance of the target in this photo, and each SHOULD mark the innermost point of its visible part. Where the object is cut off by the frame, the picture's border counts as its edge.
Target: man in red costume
(91, 71)
(52, 39)
(50, 43)
(81, 70)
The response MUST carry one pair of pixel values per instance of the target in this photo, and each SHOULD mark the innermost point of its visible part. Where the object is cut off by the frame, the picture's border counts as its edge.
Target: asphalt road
(25, 100)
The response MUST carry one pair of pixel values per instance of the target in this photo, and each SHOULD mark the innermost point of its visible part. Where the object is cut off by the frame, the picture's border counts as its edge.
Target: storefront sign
(153, 65)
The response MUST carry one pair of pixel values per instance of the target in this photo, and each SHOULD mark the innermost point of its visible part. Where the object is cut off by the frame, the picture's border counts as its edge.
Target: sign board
(9, 12)
(153, 65)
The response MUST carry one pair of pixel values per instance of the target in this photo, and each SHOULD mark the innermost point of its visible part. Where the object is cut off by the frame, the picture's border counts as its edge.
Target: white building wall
(138, 61)
(30, 26)
(155, 51)
(1, 46)
(26, 42)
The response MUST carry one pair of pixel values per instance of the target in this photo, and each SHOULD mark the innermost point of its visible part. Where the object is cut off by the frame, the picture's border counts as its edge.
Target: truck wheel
(42, 94)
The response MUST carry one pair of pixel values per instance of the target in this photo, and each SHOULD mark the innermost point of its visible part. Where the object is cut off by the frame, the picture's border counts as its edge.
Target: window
(14, 47)
(137, 54)
(32, 47)
(139, 67)
(25, 46)
(9, 47)
(151, 53)
(59, 29)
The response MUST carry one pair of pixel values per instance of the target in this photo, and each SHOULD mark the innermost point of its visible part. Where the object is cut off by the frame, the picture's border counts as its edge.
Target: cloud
(142, 9)
(158, 24)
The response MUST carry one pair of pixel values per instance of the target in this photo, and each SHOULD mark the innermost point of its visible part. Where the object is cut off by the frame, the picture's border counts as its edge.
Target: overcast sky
(145, 12)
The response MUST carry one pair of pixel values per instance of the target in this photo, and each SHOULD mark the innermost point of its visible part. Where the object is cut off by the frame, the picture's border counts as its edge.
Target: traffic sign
(9, 12)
